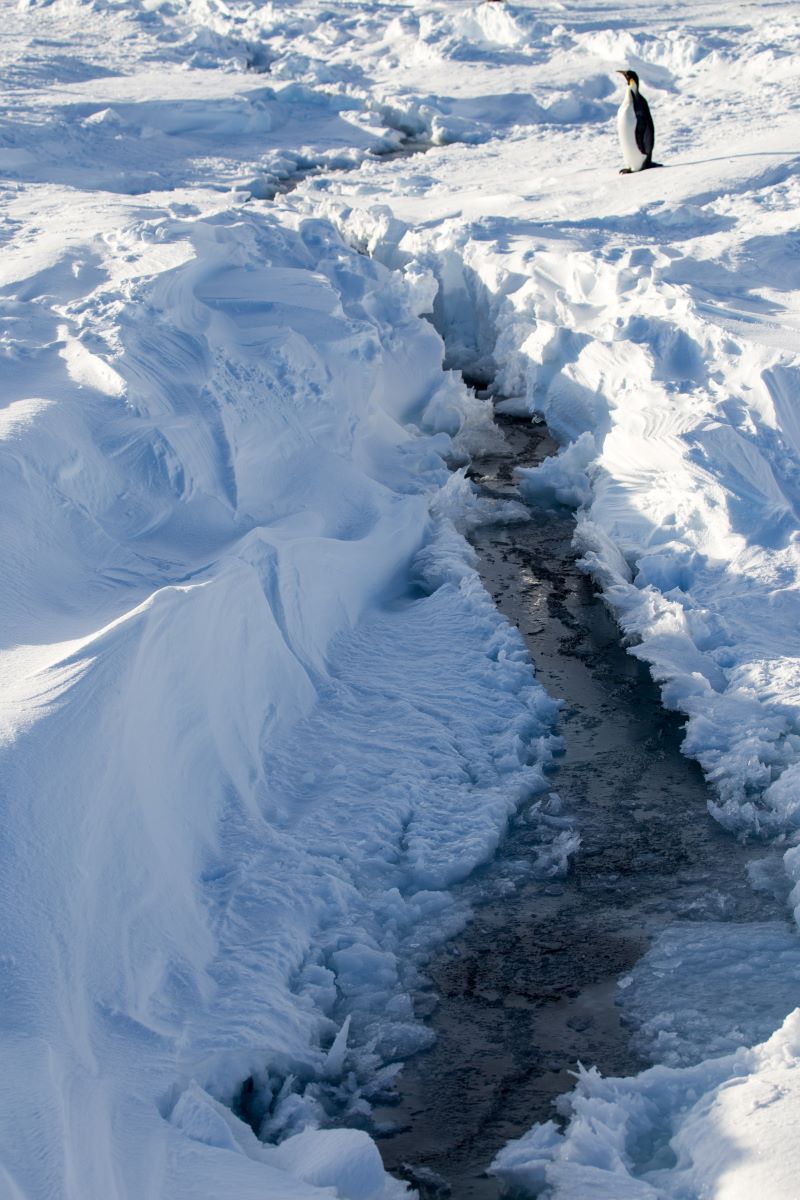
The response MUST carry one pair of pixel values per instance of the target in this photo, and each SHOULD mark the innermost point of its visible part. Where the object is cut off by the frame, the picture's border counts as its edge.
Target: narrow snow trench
(271, 188)
(530, 986)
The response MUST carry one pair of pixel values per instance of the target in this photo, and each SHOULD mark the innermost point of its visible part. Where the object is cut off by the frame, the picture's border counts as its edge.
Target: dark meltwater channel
(529, 987)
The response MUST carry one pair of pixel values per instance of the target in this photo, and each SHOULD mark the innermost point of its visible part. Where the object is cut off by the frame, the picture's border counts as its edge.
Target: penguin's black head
(630, 77)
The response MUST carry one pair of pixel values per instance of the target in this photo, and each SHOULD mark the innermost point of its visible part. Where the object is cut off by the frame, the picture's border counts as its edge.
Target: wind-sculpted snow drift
(259, 710)
(258, 713)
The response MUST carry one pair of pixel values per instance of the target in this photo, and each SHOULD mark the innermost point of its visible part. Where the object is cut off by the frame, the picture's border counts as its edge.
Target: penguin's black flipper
(645, 130)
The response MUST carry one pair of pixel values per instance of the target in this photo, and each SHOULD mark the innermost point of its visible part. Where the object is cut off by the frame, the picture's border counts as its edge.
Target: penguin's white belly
(626, 124)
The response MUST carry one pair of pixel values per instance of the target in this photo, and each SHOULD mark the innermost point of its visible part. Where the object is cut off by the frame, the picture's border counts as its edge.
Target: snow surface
(258, 713)
(725, 1128)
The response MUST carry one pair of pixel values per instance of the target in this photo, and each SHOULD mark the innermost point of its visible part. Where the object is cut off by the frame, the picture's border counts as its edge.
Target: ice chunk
(344, 1159)
(563, 476)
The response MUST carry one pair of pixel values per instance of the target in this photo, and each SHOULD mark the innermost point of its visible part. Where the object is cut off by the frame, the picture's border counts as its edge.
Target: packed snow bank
(723, 1128)
(258, 710)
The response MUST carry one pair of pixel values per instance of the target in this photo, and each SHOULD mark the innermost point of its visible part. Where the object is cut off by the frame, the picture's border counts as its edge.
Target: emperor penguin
(637, 134)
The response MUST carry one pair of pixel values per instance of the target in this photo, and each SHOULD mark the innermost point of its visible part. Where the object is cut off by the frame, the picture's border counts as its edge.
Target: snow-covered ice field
(258, 713)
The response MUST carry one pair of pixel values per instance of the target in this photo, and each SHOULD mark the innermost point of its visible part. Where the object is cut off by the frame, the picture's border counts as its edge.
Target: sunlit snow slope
(257, 711)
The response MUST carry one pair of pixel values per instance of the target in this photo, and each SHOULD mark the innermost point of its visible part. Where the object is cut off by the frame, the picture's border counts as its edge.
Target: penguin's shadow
(700, 162)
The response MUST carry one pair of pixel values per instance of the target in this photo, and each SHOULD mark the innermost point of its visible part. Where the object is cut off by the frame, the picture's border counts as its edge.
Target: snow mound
(721, 1128)
(220, 493)
(705, 989)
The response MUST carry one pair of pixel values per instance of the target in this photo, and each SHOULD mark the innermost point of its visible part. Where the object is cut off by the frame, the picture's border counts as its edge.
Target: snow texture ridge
(234, 547)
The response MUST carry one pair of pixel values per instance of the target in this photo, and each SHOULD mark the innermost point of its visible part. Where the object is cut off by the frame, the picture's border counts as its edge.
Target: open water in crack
(529, 987)
(271, 189)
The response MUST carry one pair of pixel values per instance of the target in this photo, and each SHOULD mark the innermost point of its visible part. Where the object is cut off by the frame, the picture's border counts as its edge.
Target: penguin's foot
(626, 171)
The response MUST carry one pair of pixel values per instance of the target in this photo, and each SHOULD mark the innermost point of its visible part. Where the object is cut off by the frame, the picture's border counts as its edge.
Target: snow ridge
(248, 661)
